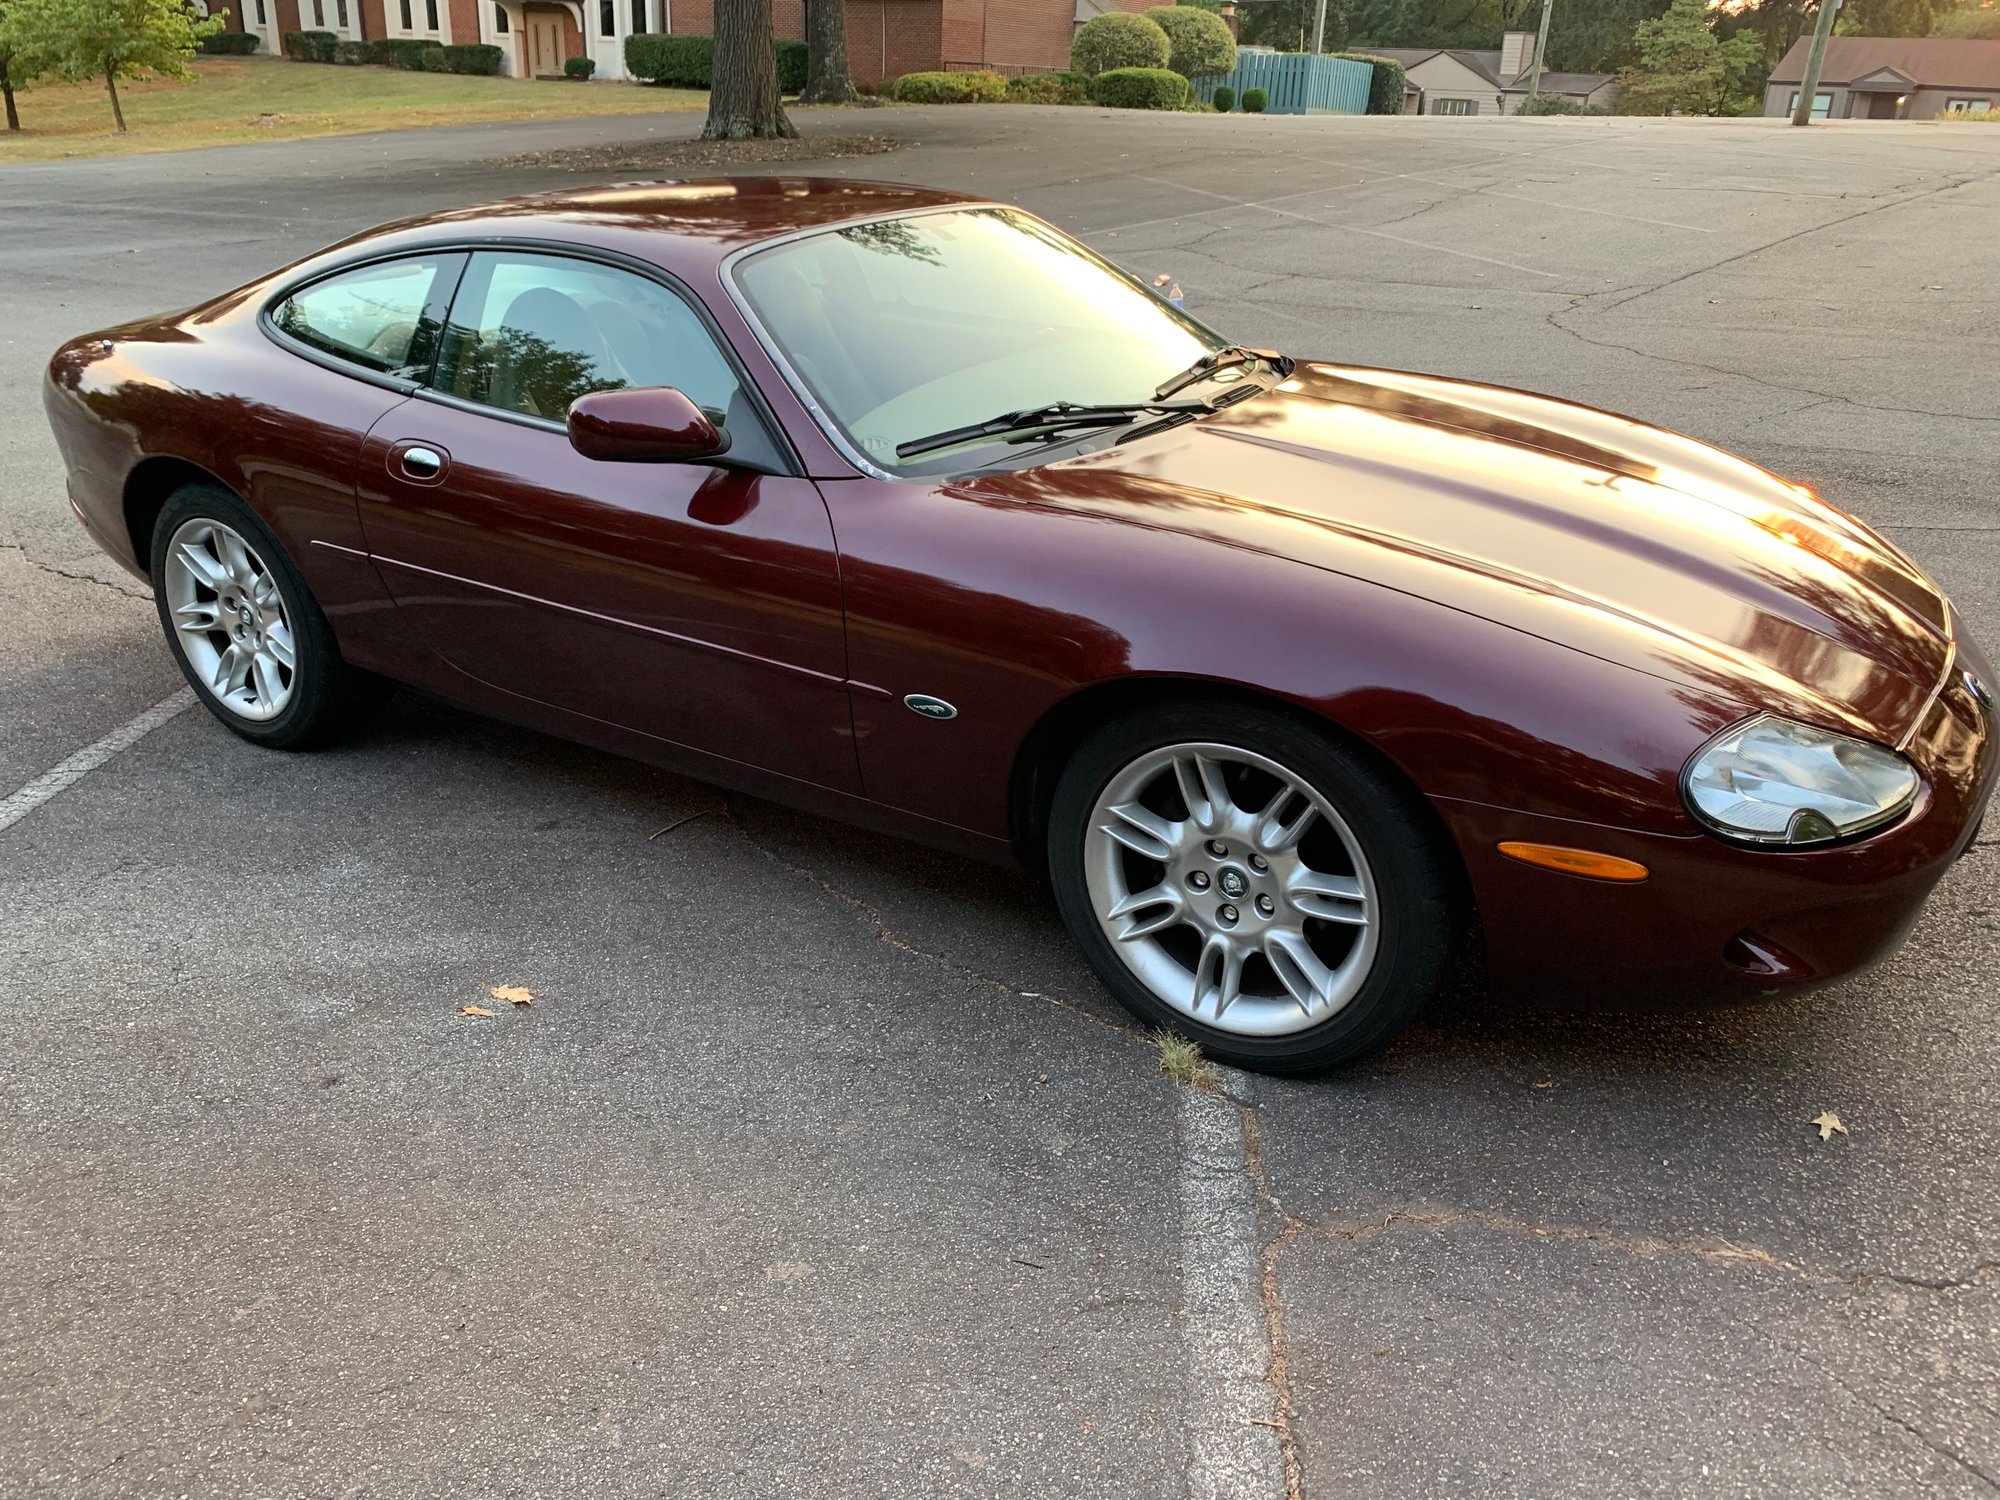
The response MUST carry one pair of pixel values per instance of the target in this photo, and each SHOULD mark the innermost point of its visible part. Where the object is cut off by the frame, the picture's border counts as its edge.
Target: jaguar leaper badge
(929, 707)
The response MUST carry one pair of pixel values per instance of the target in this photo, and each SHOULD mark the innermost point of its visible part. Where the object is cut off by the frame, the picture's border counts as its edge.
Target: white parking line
(1233, 1454)
(18, 804)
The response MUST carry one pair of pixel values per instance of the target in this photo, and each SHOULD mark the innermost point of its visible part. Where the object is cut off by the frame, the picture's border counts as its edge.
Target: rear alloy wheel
(1239, 878)
(243, 627)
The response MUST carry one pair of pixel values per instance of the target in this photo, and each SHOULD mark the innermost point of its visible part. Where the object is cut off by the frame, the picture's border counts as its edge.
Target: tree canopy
(1684, 67)
(107, 39)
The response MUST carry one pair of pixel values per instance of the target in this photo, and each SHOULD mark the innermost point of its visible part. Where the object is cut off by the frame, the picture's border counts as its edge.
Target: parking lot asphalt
(820, 1165)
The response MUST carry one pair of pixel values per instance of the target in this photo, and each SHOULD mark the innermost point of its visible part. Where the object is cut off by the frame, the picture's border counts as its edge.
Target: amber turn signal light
(1586, 862)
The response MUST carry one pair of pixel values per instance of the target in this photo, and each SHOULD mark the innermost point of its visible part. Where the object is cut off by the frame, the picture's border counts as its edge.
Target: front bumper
(1715, 923)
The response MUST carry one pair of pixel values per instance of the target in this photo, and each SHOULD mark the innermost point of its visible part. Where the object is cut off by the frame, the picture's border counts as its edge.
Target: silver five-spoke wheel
(1231, 889)
(233, 625)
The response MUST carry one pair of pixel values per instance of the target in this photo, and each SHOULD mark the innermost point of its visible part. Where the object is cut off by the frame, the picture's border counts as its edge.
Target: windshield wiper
(1221, 359)
(1054, 417)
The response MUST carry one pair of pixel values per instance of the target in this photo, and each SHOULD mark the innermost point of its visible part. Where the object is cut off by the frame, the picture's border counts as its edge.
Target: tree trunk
(7, 92)
(117, 109)
(827, 78)
(743, 101)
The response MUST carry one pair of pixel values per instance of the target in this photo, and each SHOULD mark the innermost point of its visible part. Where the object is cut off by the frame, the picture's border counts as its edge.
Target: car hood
(1588, 529)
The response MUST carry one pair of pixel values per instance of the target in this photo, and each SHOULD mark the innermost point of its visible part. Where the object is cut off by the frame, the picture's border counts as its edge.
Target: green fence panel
(1298, 83)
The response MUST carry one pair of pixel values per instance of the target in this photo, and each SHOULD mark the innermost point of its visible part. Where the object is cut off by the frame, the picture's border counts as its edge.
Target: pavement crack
(1820, 398)
(50, 568)
(888, 936)
(1716, 1251)
(1785, 239)
(1942, 1450)
(1278, 1374)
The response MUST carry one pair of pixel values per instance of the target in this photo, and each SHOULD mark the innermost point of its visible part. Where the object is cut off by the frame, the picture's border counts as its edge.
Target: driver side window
(531, 333)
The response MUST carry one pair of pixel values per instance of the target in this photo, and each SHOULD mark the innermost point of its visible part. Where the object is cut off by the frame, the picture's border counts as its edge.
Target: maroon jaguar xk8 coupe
(907, 508)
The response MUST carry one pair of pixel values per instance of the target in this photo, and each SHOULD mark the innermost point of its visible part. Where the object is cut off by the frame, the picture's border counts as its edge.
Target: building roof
(1487, 65)
(1928, 61)
(1562, 83)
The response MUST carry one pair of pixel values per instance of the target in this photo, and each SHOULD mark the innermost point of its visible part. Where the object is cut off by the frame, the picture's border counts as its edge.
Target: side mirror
(643, 425)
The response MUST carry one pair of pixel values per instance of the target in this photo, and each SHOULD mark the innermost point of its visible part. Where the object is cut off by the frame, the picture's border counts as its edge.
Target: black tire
(1416, 874)
(323, 688)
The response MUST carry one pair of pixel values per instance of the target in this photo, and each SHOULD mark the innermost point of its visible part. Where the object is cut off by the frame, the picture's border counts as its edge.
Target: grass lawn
(260, 99)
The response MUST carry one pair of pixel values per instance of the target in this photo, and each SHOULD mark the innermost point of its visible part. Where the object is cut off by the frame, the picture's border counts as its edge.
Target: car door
(698, 603)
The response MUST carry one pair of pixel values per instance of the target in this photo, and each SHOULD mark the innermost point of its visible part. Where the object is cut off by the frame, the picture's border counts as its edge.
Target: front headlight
(1770, 781)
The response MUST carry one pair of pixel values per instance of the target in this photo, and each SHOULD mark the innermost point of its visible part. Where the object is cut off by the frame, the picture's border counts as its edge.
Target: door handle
(421, 463)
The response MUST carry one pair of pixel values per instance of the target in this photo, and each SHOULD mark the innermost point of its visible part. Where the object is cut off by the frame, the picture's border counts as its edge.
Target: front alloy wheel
(1238, 875)
(1232, 889)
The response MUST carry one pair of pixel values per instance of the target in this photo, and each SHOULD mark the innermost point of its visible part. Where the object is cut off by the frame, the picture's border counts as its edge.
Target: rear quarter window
(372, 317)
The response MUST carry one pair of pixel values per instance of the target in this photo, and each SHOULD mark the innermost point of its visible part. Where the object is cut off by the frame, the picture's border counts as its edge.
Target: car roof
(681, 225)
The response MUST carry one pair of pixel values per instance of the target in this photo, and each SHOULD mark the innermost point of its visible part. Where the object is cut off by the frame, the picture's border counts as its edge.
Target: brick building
(885, 38)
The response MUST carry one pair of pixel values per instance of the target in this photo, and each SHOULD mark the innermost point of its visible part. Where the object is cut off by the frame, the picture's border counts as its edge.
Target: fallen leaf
(513, 994)
(475, 1010)
(1829, 1124)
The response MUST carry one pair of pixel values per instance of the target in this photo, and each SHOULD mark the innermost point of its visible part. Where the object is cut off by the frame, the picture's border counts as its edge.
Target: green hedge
(351, 54)
(477, 58)
(229, 43)
(1254, 101)
(311, 46)
(687, 61)
(791, 67)
(680, 61)
(948, 88)
(1385, 84)
(1049, 88)
(1140, 88)
(579, 67)
(402, 51)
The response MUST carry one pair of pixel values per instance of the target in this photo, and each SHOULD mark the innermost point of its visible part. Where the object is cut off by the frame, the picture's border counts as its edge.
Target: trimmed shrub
(1201, 43)
(686, 61)
(1049, 88)
(948, 88)
(1385, 86)
(351, 54)
(1254, 101)
(478, 58)
(791, 67)
(229, 43)
(579, 67)
(1118, 39)
(1140, 88)
(310, 46)
(1224, 98)
(1548, 104)
(679, 61)
(402, 51)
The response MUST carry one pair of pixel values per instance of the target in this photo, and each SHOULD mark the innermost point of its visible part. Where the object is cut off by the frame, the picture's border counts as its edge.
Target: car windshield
(907, 327)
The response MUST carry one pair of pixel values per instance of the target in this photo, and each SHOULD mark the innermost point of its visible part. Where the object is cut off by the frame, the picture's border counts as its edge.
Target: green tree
(1684, 67)
(12, 61)
(109, 39)
(1202, 46)
(1890, 17)
(1979, 23)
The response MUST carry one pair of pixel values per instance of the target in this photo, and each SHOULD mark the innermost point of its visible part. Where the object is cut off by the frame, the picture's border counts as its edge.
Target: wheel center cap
(1232, 882)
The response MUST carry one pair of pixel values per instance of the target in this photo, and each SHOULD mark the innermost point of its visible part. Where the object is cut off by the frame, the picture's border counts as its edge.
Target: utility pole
(1809, 85)
(1541, 46)
(1319, 29)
